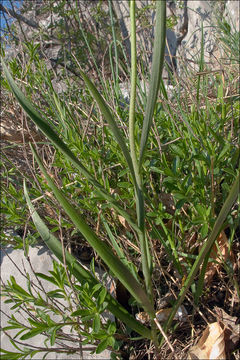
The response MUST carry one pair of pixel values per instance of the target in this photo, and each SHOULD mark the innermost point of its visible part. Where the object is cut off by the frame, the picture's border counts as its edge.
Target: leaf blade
(104, 251)
(51, 135)
(156, 74)
(111, 122)
(80, 272)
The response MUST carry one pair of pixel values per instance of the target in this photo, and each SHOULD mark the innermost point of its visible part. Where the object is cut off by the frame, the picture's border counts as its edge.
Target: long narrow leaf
(115, 74)
(111, 122)
(145, 253)
(115, 245)
(81, 274)
(51, 135)
(117, 248)
(156, 74)
(103, 250)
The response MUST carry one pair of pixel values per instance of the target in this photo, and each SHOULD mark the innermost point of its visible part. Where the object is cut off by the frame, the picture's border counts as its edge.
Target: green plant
(140, 162)
(50, 317)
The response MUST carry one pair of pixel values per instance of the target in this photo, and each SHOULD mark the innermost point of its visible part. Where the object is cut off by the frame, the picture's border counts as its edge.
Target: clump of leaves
(188, 169)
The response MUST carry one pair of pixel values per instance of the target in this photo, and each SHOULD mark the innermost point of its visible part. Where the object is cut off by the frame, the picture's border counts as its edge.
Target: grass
(185, 169)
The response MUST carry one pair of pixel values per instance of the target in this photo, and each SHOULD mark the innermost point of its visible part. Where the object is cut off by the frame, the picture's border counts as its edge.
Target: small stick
(164, 335)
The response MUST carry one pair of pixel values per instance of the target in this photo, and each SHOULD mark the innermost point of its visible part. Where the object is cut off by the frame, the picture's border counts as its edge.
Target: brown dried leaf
(143, 317)
(14, 133)
(181, 314)
(232, 329)
(211, 345)
(223, 245)
(124, 222)
(163, 314)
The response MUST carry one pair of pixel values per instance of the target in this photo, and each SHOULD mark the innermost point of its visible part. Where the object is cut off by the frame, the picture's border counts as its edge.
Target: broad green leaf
(96, 323)
(34, 332)
(102, 346)
(46, 277)
(81, 274)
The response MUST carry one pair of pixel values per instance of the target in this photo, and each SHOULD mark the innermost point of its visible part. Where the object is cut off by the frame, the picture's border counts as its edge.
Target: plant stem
(138, 187)
(116, 76)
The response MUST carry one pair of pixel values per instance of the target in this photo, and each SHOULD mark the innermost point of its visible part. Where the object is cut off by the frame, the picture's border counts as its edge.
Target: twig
(164, 335)
(19, 17)
(50, 192)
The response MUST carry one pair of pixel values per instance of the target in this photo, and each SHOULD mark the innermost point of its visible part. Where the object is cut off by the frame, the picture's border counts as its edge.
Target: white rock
(199, 15)
(13, 262)
(231, 13)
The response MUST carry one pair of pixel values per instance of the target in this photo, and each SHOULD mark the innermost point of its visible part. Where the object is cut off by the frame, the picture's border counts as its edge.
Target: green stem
(88, 46)
(115, 76)
(133, 88)
(138, 187)
(82, 274)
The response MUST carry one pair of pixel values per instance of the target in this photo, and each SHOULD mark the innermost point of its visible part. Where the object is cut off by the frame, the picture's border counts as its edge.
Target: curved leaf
(51, 135)
(103, 250)
(80, 273)
(111, 122)
(157, 66)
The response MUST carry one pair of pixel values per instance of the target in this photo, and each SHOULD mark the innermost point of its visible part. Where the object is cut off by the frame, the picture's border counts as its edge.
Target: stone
(14, 263)
(231, 14)
(144, 34)
(200, 22)
(184, 38)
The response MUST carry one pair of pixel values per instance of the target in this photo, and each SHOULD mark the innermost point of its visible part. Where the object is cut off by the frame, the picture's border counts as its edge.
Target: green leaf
(117, 248)
(206, 247)
(53, 334)
(9, 355)
(111, 122)
(201, 210)
(156, 74)
(96, 288)
(46, 277)
(81, 274)
(111, 341)
(81, 312)
(104, 251)
(11, 327)
(55, 294)
(146, 258)
(96, 323)
(102, 346)
(34, 332)
(18, 289)
(101, 296)
(204, 230)
(51, 135)
(112, 328)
